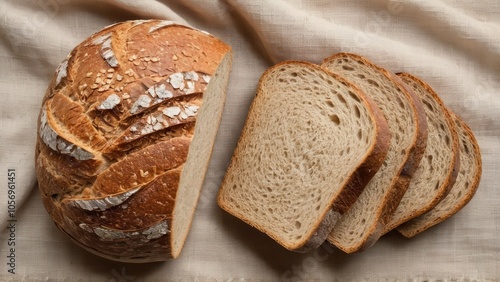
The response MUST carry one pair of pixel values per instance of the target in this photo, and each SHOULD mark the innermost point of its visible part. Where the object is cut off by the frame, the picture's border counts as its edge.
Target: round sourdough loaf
(125, 133)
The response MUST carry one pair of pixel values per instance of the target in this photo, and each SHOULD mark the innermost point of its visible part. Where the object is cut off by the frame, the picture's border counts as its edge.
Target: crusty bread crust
(114, 132)
(352, 187)
(413, 153)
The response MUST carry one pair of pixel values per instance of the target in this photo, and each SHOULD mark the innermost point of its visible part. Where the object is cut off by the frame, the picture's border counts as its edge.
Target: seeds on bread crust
(109, 160)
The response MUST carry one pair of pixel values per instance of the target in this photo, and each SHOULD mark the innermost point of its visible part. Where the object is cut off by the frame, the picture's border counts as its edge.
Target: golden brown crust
(114, 131)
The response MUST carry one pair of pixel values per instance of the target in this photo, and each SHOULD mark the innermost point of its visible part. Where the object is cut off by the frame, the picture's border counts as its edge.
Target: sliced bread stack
(311, 142)
(362, 225)
(346, 151)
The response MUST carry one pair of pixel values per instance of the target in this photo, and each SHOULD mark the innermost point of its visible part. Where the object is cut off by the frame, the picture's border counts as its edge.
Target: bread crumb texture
(306, 134)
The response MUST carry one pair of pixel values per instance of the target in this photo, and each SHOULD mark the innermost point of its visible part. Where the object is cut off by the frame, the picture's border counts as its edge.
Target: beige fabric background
(453, 45)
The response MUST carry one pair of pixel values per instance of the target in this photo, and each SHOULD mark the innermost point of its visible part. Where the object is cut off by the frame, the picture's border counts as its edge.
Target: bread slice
(438, 170)
(310, 143)
(461, 192)
(364, 223)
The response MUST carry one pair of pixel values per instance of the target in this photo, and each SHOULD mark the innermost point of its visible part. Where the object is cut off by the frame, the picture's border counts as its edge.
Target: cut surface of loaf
(461, 192)
(125, 133)
(438, 169)
(310, 143)
(363, 224)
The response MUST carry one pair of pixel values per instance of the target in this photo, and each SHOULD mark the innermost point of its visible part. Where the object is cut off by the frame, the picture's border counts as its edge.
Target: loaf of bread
(125, 133)
(311, 142)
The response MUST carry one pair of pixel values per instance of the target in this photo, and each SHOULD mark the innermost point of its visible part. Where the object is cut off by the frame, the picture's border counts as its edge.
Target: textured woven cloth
(453, 46)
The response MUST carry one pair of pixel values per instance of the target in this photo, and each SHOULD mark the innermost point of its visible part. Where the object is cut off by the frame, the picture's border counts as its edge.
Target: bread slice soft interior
(310, 143)
(461, 192)
(193, 174)
(363, 224)
(438, 169)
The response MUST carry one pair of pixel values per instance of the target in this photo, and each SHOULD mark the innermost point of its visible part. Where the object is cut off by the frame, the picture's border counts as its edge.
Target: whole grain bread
(437, 172)
(363, 224)
(461, 192)
(125, 133)
(310, 143)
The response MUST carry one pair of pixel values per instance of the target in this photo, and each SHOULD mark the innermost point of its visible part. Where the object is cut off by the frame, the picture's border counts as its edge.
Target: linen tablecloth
(453, 45)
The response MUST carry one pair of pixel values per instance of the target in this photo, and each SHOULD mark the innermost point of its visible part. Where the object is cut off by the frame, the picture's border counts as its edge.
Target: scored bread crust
(114, 133)
(341, 201)
(387, 205)
(409, 208)
(462, 191)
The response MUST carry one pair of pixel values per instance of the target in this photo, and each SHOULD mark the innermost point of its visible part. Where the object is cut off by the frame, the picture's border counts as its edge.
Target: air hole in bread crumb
(429, 159)
(341, 99)
(347, 68)
(357, 112)
(354, 96)
(335, 119)
(429, 106)
(400, 103)
(330, 103)
(298, 224)
(372, 82)
(447, 140)
(294, 74)
(437, 186)
(360, 134)
(466, 149)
